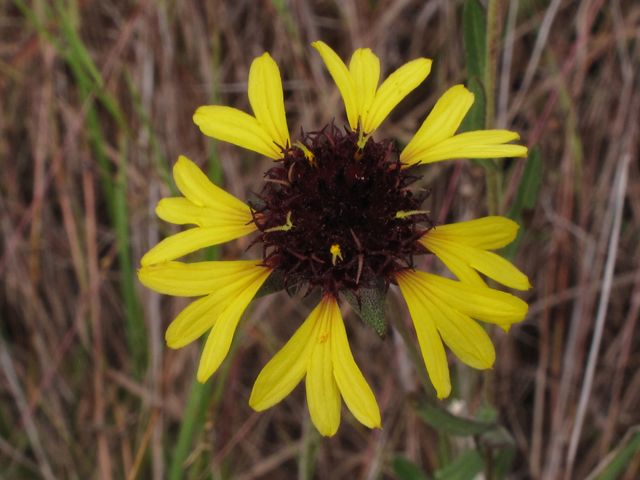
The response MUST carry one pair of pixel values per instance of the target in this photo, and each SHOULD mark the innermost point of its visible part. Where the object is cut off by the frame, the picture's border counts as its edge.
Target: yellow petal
(201, 315)
(195, 279)
(344, 81)
(429, 339)
(394, 89)
(480, 144)
(191, 240)
(193, 321)
(219, 341)
(365, 71)
(285, 370)
(487, 233)
(481, 303)
(354, 388)
(234, 126)
(488, 263)
(266, 98)
(504, 326)
(195, 185)
(323, 396)
(182, 211)
(466, 338)
(459, 267)
(442, 122)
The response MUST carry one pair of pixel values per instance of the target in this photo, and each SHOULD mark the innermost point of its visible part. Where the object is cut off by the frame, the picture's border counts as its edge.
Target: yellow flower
(319, 350)
(337, 214)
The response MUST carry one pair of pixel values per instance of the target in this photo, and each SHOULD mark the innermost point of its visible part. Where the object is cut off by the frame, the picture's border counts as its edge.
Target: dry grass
(96, 104)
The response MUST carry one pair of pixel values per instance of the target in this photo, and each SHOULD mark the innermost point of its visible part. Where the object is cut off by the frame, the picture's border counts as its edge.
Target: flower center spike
(338, 215)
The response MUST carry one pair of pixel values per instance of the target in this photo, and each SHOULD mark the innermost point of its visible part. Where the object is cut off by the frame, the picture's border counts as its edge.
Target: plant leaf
(465, 467)
(446, 422)
(407, 470)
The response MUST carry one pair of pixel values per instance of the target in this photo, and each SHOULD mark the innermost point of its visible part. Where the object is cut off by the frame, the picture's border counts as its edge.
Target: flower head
(338, 212)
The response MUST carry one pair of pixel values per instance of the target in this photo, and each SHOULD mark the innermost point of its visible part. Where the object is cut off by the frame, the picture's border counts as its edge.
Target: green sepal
(275, 283)
(370, 307)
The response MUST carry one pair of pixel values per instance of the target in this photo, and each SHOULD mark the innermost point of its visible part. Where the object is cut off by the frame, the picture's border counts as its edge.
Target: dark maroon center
(337, 216)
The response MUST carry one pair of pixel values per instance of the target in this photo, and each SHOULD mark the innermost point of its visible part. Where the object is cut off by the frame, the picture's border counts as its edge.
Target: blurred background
(96, 100)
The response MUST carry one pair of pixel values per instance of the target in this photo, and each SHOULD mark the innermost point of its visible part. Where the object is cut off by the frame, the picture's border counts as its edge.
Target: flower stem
(492, 171)
(493, 179)
(491, 61)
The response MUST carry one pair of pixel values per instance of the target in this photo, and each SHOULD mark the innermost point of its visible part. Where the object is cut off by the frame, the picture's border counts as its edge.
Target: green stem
(493, 186)
(488, 469)
(491, 62)
(492, 171)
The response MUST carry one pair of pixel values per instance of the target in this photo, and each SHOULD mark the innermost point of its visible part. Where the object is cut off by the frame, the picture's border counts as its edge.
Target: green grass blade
(192, 423)
(134, 320)
(621, 458)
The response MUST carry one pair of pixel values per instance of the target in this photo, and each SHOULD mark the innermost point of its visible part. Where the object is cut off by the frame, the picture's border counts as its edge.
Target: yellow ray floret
(463, 246)
(266, 133)
(358, 84)
(442, 311)
(436, 139)
(228, 286)
(219, 216)
(319, 350)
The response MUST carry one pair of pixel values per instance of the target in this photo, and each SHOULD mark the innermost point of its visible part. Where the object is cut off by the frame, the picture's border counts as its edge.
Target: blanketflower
(338, 213)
